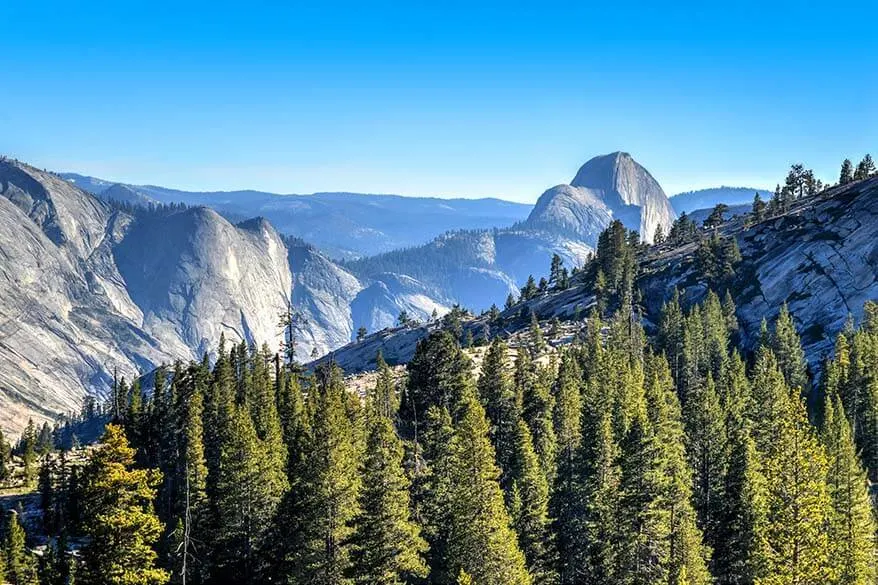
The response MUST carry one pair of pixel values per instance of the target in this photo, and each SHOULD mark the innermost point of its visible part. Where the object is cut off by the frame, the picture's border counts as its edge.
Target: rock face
(196, 276)
(606, 187)
(821, 259)
(86, 289)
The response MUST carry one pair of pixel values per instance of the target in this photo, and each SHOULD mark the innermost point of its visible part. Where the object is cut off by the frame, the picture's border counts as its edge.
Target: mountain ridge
(801, 258)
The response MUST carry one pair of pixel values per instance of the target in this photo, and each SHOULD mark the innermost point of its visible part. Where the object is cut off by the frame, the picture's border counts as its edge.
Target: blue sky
(436, 98)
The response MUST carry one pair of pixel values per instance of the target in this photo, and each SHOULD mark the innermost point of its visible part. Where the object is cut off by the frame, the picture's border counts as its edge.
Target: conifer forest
(616, 457)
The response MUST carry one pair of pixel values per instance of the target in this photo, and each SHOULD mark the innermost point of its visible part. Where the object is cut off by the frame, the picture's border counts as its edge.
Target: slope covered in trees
(619, 457)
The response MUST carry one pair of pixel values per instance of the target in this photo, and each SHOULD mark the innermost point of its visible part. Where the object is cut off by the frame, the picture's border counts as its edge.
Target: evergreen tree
(387, 546)
(530, 289)
(497, 393)
(331, 488)
(21, 568)
(865, 169)
(534, 389)
(481, 540)
(659, 539)
(530, 511)
(191, 505)
(27, 449)
(432, 487)
(4, 458)
(847, 172)
(706, 447)
(716, 217)
(249, 489)
(758, 209)
(797, 498)
(851, 518)
(555, 276)
(384, 397)
(438, 373)
(739, 554)
(537, 343)
(788, 350)
(120, 521)
(591, 542)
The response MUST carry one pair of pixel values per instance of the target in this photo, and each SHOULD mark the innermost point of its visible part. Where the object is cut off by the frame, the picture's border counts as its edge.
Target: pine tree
(530, 514)
(537, 403)
(28, 450)
(497, 393)
(847, 172)
(438, 373)
(537, 343)
(191, 505)
(788, 349)
(21, 568)
(387, 546)
(555, 277)
(739, 555)
(384, 396)
(851, 519)
(600, 488)
(706, 448)
(481, 540)
(120, 521)
(797, 498)
(865, 169)
(687, 556)
(671, 334)
(331, 488)
(249, 488)
(4, 458)
(432, 488)
(758, 209)
(530, 289)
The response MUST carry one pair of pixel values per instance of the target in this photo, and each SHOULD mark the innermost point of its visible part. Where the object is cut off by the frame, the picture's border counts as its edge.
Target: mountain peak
(608, 186)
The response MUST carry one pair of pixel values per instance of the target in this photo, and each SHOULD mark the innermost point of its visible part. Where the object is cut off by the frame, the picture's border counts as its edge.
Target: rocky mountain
(90, 287)
(334, 304)
(820, 258)
(344, 225)
(707, 198)
(478, 268)
(87, 289)
(606, 187)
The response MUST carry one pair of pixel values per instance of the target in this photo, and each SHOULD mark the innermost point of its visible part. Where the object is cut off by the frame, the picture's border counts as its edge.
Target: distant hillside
(707, 198)
(344, 225)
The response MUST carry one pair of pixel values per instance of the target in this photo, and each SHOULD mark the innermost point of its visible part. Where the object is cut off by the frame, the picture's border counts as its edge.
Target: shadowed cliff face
(613, 186)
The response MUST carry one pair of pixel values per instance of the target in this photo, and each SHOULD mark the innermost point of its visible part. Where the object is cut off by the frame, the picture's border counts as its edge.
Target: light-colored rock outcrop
(86, 290)
(612, 186)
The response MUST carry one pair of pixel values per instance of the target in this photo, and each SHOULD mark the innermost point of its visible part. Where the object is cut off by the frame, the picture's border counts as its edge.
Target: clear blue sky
(436, 98)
